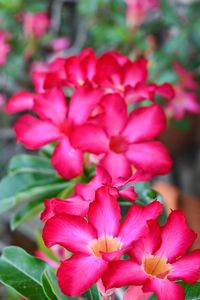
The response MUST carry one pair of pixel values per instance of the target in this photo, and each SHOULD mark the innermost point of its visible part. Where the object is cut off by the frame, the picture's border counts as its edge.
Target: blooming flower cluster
(89, 109)
(186, 95)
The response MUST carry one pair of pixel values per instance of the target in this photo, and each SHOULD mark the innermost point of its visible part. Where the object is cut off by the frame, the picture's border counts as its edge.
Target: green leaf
(43, 248)
(18, 187)
(169, 13)
(12, 5)
(30, 164)
(192, 292)
(26, 213)
(92, 294)
(51, 288)
(22, 272)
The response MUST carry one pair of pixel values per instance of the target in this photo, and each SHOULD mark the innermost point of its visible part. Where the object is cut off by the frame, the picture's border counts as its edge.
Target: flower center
(106, 244)
(118, 144)
(156, 266)
(65, 127)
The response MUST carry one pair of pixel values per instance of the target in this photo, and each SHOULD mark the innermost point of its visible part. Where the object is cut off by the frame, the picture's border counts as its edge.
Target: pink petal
(164, 289)
(20, 101)
(38, 79)
(145, 123)
(142, 156)
(165, 90)
(136, 293)
(71, 232)
(73, 71)
(135, 72)
(82, 103)
(122, 273)
(74, 205)
(148, 244)
(128, 193)
(104, 213)
(77, 274)
(135, 225)
(106, 66)
(88, 63)
(51, 106)
(117, 165)
(34, 133)
(187, 268)
(177, 237)
(87, 191)
(67, 161)
(115, 116)
(89, 138)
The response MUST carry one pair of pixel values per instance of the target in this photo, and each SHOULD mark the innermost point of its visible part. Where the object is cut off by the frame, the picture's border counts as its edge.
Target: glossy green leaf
(169, 13)
(92, 294)
(22, 272)
(18, 187)
(26, 213)
(192, 292)
(50, 285)
(30, 164)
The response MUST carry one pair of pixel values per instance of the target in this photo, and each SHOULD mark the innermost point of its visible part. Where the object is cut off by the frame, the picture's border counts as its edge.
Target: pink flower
(4, 46)
(125, 140)
(158, 260)
(112, 72)
(96, 242)
(60, 43)
(20, 101)
(138, 10)
(79, 203)
(184, 101)
(186, 78)
(35, 24)
(55, 123)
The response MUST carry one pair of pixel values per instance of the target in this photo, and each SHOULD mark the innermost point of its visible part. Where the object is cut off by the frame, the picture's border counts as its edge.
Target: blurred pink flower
(35, 24)
(4, 46)
(137, 10)
(60, 43)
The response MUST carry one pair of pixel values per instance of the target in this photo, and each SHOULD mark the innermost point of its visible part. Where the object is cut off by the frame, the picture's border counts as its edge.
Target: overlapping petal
(51, 106)
(135, 225)
(104, 213)
(71, 232)
(142, 155)
(186, 268)
(176, 236)
(123, 273)
(164, 289)
(90, 138)
(144, 124)
(19, 102)
(34, 133)
(77, 274)
(67, 160)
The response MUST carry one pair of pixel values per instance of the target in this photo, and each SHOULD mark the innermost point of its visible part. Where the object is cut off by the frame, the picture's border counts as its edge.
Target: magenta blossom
(56, 121)
(35, 24)
(184, 101)
(96, 242)
(138, 10)
(126, 141)
(79, 203)
(158, 260)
